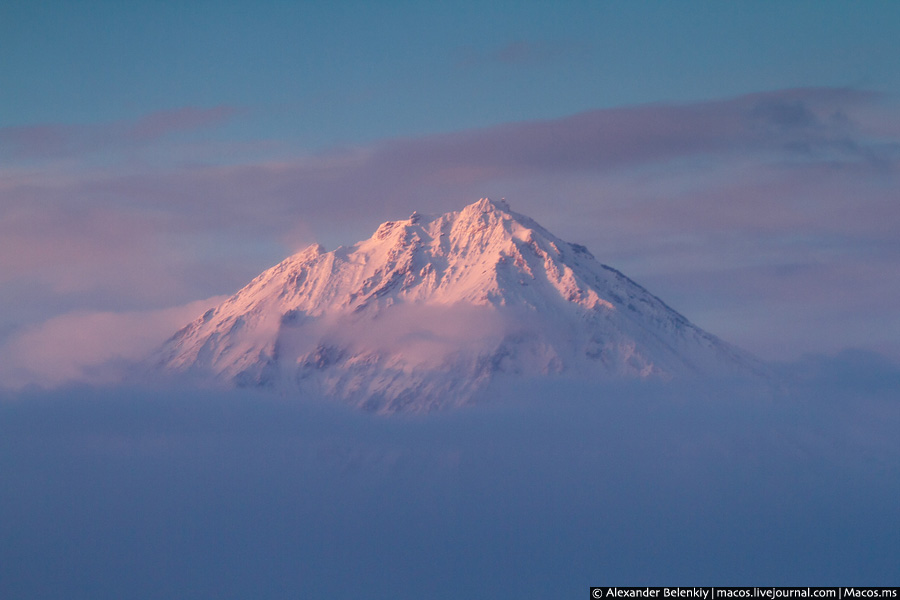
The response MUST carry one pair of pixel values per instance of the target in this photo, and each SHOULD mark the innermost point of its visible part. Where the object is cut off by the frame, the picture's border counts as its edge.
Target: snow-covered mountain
(426, 311)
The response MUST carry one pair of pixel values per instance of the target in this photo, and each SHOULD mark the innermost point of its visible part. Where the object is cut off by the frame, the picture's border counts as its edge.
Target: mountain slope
(427, 310)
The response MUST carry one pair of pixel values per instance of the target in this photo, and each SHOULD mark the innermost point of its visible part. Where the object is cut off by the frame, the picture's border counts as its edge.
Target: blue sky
(738, 159)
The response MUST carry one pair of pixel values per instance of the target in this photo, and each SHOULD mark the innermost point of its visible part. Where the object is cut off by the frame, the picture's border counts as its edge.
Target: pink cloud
(74, 250)
(90, 346)
(158, 124)
(56, 140)
(39, 140)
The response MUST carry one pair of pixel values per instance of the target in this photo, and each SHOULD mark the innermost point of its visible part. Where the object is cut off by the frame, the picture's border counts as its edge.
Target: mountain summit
(426, 311)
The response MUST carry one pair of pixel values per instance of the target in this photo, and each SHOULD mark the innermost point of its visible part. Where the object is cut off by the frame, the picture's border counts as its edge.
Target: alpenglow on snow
(428, 310)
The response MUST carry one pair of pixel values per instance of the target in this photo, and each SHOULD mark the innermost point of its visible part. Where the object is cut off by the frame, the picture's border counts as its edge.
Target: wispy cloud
(158, 124)
(56, 140)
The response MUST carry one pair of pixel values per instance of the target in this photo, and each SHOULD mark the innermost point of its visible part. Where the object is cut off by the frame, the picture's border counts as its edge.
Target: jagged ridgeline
(426, 311)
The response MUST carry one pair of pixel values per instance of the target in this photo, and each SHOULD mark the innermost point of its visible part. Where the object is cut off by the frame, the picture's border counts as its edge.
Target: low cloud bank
(90, 346)
(544, 490)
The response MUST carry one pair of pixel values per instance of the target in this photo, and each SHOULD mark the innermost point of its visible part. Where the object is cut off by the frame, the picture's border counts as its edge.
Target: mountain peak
(488, 205)
(429, 309)
(311, 251)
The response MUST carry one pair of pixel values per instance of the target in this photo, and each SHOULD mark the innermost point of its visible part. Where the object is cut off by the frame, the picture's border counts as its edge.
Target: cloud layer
(545, 491)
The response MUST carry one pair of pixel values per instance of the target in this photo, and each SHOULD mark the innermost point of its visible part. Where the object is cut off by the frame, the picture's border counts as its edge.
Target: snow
(429, 309)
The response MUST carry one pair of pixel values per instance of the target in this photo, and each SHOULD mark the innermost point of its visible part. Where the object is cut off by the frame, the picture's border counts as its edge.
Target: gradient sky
(738, 159)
